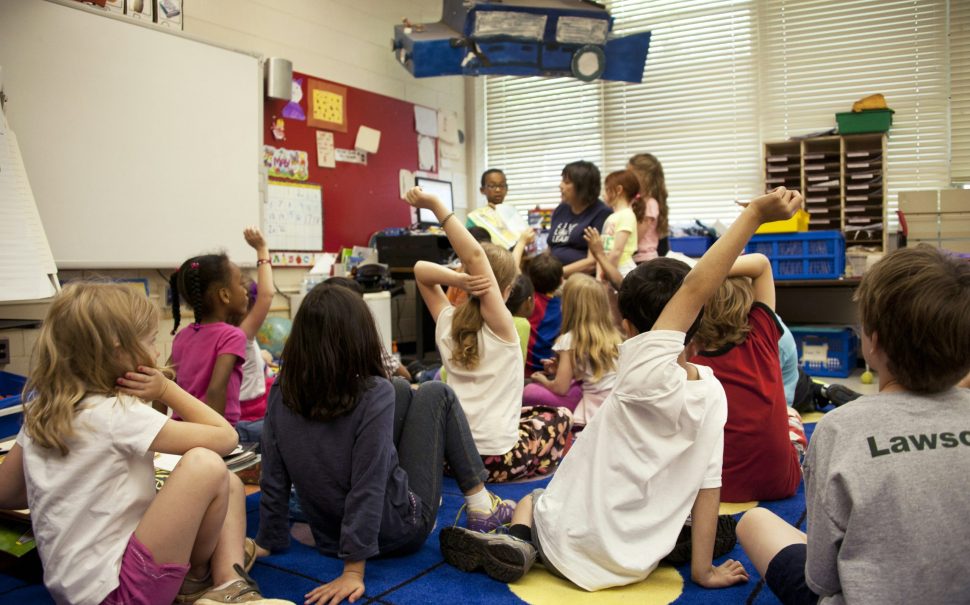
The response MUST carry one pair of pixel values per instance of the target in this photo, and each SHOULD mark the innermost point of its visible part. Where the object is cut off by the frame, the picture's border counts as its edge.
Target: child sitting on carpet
(520, 304)
(364, 454)
(738, 339)
(254, 385)
(651, 455)
(885, 475)
(586, 350)
(83, 462)
(480, 350)
(545, 271)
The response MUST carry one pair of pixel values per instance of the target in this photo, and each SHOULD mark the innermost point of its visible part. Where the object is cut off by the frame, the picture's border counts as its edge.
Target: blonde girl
(83, 463)
(480, 350)
(652, 228)
(587, 349)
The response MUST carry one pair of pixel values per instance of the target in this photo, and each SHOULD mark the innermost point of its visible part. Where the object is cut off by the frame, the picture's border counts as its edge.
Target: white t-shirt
(253, 373)
(618, 501)
(85, 506)
(595, 392)
(491, 394)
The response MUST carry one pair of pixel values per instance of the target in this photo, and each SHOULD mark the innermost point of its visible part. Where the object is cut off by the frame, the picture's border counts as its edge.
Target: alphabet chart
(293, 216)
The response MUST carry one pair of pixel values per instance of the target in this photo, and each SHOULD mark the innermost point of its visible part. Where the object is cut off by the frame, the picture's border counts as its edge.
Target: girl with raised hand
(587, 349)
(208, 354)
(480, 349)
(83, 463)
(365, 454)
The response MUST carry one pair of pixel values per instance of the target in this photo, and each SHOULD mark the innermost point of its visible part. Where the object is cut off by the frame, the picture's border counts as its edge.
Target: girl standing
(208, 354)
(480, 350)
(364, 454)
(652, 229)
(83, 463)
(620, 229)
(587, 349)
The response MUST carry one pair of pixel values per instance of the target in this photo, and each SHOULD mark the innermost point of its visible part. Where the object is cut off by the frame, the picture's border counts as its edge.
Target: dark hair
(545, 271)
(647, 289)
(480, 234)
(631, 187)
(585, 177)
(332, 352)
(345, 282)
(196, 281)
(915, 300)
(491, 171)
(521, 291)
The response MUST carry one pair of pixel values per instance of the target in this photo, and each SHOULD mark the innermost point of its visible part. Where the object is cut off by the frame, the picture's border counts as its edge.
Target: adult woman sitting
(580, 208)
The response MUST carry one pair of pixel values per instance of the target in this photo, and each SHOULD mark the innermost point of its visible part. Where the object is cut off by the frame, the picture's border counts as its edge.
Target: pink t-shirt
(194, 353)
(649, 240)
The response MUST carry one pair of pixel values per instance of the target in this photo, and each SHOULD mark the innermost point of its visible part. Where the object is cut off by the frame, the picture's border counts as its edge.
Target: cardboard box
(169, 13)
(911, 202)
(955, 200)
(923, 226)
(141, 9)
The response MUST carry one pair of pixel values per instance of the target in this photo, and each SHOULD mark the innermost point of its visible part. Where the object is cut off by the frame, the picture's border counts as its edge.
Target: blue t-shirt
(566, 230)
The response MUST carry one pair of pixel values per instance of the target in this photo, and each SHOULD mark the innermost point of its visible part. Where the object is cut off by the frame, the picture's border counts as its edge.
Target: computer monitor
(439, 189)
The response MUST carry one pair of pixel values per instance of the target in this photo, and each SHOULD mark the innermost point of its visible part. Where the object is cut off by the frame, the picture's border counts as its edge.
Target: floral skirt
(544, 437)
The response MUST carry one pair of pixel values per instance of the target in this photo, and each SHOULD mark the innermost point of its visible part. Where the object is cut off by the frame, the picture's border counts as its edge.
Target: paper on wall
(451, 151)
(325, 151)
(368, 139)
(350, 156)
(427, 153)
(448, 126)
(425, 121)
(406, 181)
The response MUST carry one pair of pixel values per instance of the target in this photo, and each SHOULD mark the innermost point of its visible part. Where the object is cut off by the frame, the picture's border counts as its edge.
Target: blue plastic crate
(691, 245)
(806, 255)
(11, 385)
(825, 350)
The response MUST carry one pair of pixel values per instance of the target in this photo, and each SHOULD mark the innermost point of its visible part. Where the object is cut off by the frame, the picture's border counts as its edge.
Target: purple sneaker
(487, 522)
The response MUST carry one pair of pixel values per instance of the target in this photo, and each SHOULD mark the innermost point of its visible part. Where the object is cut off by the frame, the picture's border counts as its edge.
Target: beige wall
(346, 41)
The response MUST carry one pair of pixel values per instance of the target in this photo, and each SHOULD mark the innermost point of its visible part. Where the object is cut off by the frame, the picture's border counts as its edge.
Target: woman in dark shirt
(365, 454)
(580, 208)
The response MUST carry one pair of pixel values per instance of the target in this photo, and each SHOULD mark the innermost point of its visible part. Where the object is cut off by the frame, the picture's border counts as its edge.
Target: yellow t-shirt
(616, 223)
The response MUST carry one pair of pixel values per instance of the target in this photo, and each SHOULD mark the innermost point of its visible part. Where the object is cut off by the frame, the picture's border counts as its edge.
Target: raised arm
(433, 278)
(706, 277)
(758, 268)
(528, 236)
(473, 259)
(264, 284)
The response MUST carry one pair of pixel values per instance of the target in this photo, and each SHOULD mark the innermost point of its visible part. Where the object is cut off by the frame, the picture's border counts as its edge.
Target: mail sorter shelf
(842, 179)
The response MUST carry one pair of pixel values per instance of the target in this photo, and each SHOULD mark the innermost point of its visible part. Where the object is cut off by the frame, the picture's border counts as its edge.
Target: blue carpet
(424, 578)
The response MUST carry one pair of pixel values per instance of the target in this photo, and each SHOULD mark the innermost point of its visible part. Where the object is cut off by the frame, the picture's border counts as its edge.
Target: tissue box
(169, 13)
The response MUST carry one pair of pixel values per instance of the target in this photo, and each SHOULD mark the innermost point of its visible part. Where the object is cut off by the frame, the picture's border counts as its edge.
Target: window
(724, 76)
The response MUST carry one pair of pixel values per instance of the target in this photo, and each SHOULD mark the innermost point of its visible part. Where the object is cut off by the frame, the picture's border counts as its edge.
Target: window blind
(960, 91)
(722, 77)
(818, 57)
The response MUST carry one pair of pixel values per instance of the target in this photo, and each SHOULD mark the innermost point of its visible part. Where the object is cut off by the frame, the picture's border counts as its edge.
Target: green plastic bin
(860, 122)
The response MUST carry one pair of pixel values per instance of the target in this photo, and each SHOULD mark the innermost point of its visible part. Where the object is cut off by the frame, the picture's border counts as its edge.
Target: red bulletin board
(357, 199)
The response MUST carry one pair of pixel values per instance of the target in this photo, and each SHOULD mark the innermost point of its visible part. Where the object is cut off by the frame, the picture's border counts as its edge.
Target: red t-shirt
(760, 462)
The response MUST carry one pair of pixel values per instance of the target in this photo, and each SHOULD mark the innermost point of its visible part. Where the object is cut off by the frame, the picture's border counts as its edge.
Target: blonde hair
(726, 315)
(587, 318)
(90, 337)
(468, 321)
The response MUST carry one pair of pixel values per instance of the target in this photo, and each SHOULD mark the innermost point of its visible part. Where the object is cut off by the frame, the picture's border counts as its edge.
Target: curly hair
(726, 315)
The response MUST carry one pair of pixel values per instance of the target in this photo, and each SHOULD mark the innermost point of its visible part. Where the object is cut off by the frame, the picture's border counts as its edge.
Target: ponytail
(193, 281)
(173, 284)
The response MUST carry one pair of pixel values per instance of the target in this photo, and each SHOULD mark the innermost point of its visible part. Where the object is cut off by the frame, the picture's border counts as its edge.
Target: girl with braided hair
(208, 354)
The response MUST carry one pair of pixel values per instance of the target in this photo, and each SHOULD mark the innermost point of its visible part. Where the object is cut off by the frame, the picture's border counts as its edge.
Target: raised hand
(418, 198)
(254, 237)
(778, 205)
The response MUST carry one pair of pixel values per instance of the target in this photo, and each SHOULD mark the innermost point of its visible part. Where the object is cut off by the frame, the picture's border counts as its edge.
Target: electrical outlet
(4, 351)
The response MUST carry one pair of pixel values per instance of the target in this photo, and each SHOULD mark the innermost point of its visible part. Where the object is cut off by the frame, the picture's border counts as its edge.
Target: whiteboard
(142, 145)
(293, 217)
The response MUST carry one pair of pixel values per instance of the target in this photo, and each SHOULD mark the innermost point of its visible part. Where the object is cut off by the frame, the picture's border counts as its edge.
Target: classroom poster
(286, 163)
(293, 216)
(325, 151)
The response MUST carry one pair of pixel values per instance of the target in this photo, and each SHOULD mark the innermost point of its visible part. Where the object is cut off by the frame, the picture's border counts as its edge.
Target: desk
(817, 301)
